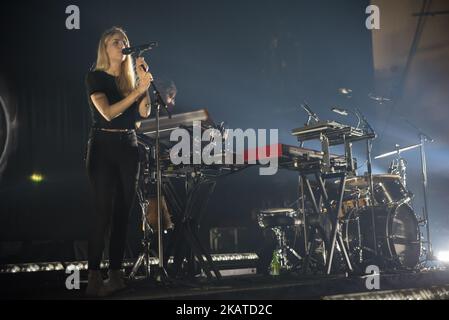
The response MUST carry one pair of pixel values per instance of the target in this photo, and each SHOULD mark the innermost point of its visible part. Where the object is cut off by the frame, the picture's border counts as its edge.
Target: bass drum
(397, 234)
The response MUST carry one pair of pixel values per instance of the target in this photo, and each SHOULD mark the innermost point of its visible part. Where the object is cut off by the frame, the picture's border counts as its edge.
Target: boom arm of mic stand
(420, 132)
(301, 192)
(159, 100)
(359, 120)
(156, 92)
(310, 113)
(369, 146)
(365, 121)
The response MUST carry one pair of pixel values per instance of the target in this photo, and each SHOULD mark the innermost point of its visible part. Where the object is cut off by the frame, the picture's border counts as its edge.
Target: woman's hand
(145, 77)
(144, 82)
(141, 66)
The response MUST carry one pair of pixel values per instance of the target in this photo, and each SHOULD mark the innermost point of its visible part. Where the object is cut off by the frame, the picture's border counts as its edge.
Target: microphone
(342, 112)
(140, 49)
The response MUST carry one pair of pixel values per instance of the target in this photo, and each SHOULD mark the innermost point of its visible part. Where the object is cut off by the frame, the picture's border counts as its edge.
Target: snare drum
(279, 217)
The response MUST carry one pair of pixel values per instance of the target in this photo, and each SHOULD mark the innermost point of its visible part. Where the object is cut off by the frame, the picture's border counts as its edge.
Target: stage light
(59, 267)
(32, 268)
(49, 267)
(83, 265)
(14, 269)
(71, 267)
(36, 177)
(443, 256)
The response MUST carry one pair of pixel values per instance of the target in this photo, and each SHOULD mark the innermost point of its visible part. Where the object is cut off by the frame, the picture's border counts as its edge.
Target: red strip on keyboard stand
(263, 153)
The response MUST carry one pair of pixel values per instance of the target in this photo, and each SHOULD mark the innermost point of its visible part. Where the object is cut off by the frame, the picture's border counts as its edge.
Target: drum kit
(397, 228)
(396, 225)
(378, 224)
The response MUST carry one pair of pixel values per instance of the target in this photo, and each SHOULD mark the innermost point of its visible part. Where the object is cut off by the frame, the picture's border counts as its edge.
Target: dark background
(251, 63)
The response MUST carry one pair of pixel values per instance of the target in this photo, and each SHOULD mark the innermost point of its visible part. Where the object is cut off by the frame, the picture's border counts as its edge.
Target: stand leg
(311, 245)
(136, 266)
(336, 236)
(144, 257)
(208, 258)
(429, 255)
(188, 244)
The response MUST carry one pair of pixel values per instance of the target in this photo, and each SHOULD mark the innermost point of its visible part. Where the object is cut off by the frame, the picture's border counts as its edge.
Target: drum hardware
(368, 135)
(310, 116)
(398, 166)
(369, 146)
(335, 237)
(423, 139)
(398, 151)
(378, 226)
(278, 220)
(422, 221)
(380, 188)
(331, 133)
(359, 247)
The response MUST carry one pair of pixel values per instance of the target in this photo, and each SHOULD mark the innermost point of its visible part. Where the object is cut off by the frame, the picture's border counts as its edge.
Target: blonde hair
(126, 81)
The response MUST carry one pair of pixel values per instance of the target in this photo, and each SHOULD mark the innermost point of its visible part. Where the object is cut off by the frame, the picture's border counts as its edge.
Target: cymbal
(362, 181)
(398, 151)
(277, 210)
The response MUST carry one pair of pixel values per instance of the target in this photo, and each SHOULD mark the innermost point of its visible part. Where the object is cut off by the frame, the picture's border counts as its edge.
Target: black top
(100, 81)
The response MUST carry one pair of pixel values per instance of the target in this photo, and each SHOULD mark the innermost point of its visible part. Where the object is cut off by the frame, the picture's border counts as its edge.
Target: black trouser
(113, 167)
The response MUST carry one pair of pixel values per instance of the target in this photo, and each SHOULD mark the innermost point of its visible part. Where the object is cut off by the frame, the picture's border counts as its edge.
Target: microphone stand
(161, 273)
(423, 137)
(311, 116)
(369, 145)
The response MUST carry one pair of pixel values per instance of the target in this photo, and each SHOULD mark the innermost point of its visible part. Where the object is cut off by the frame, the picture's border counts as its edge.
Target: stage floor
(50, 285)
